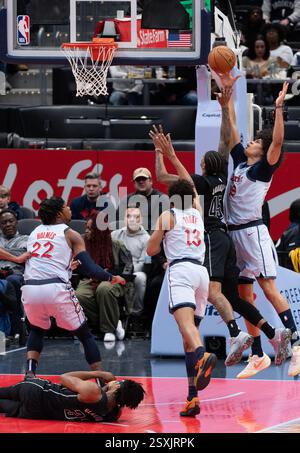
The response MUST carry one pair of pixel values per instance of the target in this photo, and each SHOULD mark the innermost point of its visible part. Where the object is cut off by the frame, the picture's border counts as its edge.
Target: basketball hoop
(89, 63)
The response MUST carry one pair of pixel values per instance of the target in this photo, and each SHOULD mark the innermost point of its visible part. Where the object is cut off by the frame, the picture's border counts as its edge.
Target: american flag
(177, 39)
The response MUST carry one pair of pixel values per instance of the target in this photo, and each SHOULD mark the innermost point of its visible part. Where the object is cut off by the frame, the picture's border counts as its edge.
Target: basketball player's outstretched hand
(162, 142)
(228, 80)
(22, 258)
(118, 279)
(224, 96)
(280, 99)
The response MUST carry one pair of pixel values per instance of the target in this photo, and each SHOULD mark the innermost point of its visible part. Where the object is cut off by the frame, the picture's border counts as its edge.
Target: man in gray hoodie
(135, 238)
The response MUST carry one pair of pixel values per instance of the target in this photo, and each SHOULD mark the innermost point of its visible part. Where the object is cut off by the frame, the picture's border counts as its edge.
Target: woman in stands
(100, 301)
(258, 60)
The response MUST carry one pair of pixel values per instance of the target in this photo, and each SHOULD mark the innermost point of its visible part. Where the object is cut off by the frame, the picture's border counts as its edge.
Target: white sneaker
(120, 332)
(294, 367)
(280, 343)
(255, 365)
(109, 337)
(237, 345)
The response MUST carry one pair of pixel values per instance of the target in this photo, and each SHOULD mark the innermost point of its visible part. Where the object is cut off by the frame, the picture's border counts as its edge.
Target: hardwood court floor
(228, 405)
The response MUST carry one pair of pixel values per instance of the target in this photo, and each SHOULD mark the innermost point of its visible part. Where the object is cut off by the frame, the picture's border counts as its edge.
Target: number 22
(46, 254)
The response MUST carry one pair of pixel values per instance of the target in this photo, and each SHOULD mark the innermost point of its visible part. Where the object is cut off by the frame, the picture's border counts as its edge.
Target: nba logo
(23, 38)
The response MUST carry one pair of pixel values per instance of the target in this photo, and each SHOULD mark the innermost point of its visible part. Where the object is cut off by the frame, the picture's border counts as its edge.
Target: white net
(90, 70)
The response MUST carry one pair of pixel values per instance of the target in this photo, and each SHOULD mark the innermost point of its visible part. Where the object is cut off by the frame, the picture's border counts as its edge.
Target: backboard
(147, 31)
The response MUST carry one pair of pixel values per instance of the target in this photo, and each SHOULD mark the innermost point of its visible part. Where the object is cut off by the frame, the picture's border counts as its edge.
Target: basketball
(221, 59)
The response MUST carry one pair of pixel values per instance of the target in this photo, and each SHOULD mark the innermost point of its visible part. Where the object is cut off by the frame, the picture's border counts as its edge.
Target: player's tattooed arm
(228, 81)
(161, 172)
(163, 145)
(160, 169)
(225, 132)
(225, 144)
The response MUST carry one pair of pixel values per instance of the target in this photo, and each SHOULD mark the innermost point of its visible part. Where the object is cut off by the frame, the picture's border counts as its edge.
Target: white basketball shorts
(188, 287)
(255, 252)
(57, 300)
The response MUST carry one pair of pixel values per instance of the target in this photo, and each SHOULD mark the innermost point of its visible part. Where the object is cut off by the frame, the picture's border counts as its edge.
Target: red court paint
(228, 406)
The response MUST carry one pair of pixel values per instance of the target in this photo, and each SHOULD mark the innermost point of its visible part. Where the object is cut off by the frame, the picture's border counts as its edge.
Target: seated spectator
(258, 60)
(274, 35)
(286, 12)
(127, 90)
(252, 26)
(5, 202)
(290, 239)
(8, 305)
(16, 244)
(135, 238)
(150, 201)
(85, 206)
(296, 59)
(100, 301)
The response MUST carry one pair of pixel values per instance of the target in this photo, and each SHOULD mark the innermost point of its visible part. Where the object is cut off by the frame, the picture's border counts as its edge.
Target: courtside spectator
(83, 207)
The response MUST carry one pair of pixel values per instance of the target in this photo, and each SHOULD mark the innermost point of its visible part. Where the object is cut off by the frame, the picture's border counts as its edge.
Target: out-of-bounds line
(13, 350)
(113, 424)
(233, 395)
(277, 426)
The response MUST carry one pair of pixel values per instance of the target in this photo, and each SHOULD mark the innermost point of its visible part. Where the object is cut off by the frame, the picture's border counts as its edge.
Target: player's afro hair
(49, 210)
(130, 394)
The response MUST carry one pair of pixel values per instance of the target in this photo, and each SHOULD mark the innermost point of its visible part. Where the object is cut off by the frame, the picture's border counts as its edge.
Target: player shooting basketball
(220, 256)
(254, 167)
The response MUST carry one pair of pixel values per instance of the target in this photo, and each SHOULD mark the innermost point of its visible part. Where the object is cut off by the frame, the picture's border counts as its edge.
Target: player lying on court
(182, 232)
(47, 291)
(253, 170)
(75, 399)
(220, 257)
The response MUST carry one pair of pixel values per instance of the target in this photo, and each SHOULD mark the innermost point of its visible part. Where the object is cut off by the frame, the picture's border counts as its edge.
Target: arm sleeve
(200, 184)
(88, 266)
(238, 154)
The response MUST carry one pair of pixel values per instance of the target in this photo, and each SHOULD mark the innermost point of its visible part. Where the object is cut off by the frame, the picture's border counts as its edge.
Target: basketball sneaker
(280, 343)
(29, 375)
(237, 345)
(294, 367)
(191, 408)
(204, 368)
(120, 332)
(255, 365)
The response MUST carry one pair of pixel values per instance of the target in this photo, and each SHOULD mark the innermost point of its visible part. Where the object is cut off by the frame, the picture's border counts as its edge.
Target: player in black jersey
(76, 398)
(220, 257)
